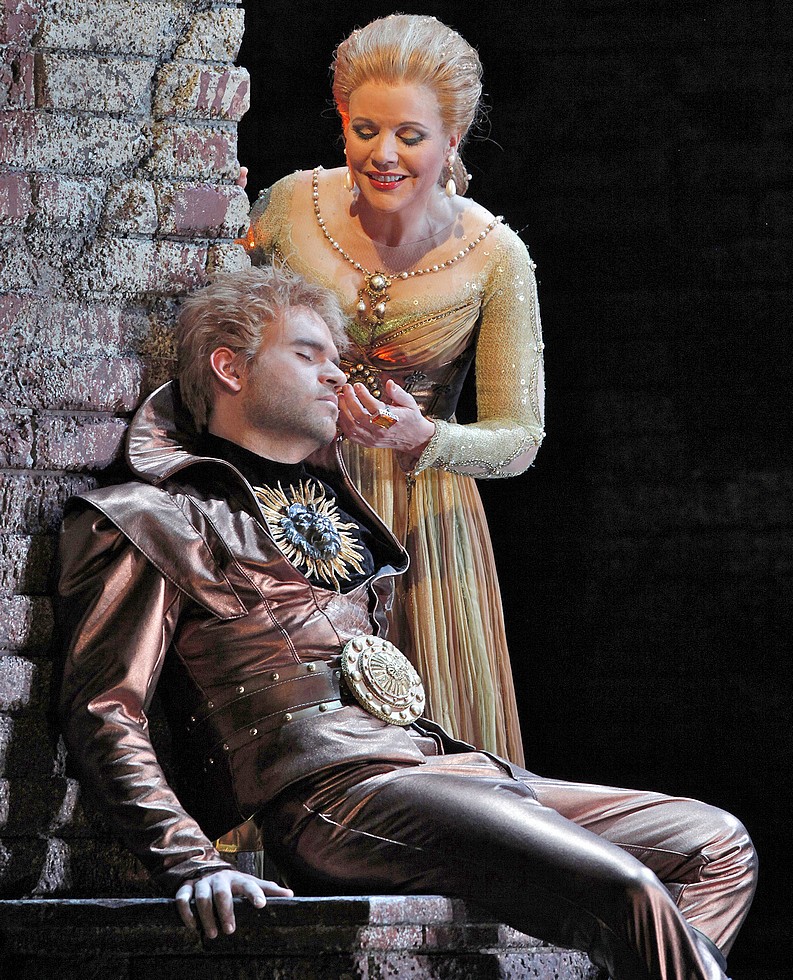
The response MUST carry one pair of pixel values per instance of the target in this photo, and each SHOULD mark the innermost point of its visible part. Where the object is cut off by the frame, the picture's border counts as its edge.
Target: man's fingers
(366, 398)
(256, 890)
(254, 893)
(354, 403)
(224, 905)
(183, 897)
(205, 908)
(357, 406)
(275, 891)
(213, 896)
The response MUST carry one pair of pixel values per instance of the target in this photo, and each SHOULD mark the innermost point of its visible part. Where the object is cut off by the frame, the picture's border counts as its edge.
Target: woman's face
(396, 145)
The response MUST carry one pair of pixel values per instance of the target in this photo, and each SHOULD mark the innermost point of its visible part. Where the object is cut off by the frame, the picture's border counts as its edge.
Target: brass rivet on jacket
(274, 677)
(225, 746)
(311, 668)
(211, 762)
(287, 717)
(240, 689)
(210, 704)
(192, 717)
(254, 731)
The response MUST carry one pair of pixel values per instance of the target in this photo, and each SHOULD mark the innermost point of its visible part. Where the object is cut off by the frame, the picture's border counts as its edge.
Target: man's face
(290, 389)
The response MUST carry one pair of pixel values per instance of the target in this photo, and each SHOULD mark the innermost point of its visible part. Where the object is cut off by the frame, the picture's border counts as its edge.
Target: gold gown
(447, 614)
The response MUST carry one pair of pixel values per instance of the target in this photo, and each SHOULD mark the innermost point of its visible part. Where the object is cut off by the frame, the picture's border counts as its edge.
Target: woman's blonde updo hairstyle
(418, 50)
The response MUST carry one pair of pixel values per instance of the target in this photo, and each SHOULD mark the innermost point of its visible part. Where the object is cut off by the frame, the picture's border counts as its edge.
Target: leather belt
(370, 672)
(264, 704)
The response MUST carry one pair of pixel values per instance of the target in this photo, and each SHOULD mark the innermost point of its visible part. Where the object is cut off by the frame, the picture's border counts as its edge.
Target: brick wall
(117, 166)
(642, 147)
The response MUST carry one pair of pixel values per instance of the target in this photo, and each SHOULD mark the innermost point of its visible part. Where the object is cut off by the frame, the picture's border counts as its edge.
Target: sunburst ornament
(307, 528)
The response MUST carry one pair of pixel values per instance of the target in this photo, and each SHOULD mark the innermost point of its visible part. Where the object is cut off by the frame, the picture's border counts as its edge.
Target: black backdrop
(642, 150)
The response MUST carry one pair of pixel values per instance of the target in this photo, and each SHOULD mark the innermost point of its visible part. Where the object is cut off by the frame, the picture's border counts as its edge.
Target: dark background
(643, 151)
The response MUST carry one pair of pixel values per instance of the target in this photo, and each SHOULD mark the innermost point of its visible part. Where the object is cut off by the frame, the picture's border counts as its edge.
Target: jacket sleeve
(117, 615)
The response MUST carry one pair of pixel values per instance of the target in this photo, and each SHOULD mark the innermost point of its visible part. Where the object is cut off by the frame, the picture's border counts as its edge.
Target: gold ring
(384, 418)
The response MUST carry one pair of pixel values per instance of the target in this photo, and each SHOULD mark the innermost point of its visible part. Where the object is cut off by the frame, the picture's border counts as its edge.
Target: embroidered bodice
(482, 308)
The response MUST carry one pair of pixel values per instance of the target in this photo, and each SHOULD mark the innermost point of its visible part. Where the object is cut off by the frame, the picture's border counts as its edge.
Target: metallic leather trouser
(620, 874)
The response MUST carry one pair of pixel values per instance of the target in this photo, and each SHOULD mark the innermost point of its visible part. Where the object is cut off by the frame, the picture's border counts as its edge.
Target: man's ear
(226, 368)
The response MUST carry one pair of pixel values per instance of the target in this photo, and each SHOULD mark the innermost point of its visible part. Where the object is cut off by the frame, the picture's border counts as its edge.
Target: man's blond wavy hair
(234, 311)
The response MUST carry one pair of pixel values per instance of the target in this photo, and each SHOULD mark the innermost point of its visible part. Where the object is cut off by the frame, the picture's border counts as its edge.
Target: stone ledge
(356, 938)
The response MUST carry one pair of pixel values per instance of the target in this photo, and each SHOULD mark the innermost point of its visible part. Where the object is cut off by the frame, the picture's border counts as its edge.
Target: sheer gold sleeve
(268, 218)
(509, 377)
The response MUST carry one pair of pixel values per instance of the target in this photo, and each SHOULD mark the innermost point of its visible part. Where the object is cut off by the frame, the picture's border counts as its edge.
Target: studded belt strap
(371, 671)
(266, 703)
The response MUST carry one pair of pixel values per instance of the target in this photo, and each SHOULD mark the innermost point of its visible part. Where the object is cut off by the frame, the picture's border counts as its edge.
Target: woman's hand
(407, 436)
(214, 894)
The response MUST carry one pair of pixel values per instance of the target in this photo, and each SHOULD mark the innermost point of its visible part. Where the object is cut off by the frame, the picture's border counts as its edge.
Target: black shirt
(329, 546)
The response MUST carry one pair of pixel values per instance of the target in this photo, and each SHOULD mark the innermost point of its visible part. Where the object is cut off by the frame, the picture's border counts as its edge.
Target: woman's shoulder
(510, 249)
(479, 217)
(272, 211)
(511, 242)
(298, 185)
(473, 211)
(283, 188)
(509, 264)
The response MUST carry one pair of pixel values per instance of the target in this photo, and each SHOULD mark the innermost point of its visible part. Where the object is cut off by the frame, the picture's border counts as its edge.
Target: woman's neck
(407, 226)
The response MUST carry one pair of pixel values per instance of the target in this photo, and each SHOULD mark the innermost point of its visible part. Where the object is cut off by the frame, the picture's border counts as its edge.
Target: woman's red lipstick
(385, 182)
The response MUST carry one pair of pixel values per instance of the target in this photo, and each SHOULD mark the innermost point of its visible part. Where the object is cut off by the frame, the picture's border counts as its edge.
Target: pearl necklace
(373, 295)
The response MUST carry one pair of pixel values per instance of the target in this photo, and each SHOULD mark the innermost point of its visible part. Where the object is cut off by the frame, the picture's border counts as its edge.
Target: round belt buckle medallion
(382, 680)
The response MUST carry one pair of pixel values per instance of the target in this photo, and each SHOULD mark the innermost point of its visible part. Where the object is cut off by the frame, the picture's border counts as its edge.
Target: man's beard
(279, 417)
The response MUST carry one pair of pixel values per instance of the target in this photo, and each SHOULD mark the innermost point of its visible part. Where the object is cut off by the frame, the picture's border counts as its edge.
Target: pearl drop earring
(451, 186)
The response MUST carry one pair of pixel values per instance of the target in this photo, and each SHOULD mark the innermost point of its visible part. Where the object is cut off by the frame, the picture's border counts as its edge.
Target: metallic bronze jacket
(174, 578)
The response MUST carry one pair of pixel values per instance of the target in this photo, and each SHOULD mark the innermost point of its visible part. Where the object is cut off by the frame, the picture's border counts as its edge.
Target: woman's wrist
(421, 457)
(409, 458)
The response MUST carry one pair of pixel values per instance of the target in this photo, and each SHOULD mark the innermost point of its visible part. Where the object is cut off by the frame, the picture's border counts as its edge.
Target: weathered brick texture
(15, 200)
(19, 21)
(130, 209)
(76, 82)
(117, 196)
(202, 92)
(125, 27)
(190, 151)
(16, 682)
(205, 209)
(356, 938)
(213, 35)
(16, 80)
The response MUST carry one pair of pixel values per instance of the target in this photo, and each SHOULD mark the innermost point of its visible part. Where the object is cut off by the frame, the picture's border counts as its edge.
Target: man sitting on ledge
(243, 576)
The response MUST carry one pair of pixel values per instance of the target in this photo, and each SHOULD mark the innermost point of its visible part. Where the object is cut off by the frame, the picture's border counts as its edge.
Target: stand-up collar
(162, 438)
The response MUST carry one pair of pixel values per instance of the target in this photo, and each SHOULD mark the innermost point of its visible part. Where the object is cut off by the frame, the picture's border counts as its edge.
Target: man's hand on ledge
(214, 893)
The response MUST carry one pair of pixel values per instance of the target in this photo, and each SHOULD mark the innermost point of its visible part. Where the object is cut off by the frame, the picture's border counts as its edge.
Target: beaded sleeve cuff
(487, 449)
(431, 451)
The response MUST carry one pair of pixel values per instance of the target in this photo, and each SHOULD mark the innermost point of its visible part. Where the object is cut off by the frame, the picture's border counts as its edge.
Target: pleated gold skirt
(447, 615)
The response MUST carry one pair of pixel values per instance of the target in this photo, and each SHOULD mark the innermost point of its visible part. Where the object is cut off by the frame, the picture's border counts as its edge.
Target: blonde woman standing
(433, 284)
